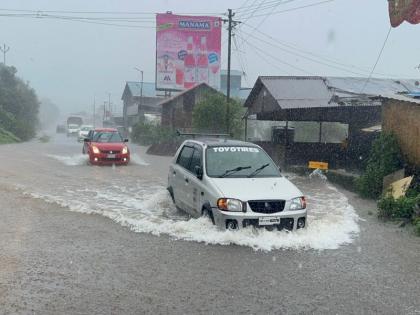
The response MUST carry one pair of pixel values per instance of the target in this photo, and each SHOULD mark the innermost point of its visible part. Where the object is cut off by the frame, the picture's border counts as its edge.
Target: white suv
(236, 184)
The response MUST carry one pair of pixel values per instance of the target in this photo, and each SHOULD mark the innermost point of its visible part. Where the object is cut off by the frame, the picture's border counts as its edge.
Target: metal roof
(292, 92)
(149, 88)
(170, 99)
(373, 87)
(400, 97)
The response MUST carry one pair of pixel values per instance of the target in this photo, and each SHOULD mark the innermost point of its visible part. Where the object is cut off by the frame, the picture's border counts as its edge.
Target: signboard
(188, 50)
(318, 165)
(404, 10)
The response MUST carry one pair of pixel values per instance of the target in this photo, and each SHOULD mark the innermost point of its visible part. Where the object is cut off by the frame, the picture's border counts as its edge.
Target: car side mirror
(199, 172)
(125, 140)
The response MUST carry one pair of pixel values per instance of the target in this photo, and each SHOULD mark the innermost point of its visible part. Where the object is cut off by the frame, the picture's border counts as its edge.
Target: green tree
(18, 105)
(209, 115)
(384, 158)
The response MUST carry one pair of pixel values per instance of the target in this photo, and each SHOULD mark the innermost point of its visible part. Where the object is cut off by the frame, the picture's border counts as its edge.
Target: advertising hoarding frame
(213, 54)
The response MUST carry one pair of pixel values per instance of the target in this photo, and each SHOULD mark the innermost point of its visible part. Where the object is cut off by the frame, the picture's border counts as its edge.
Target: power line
(329, 60)
(377, 60)
(253, 11)
(267, 16)
(119, 19)
(267, 8)
(267, 5)
(108, 12)
(77, 19)
(275, 58)
(297, 8)
(243, 5)
(241, 61)
(293, 53)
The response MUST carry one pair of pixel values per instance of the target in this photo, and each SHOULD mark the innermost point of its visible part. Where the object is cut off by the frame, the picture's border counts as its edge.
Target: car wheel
(209, 214)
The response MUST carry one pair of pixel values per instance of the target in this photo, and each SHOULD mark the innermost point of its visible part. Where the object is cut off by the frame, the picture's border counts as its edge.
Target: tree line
(19, 105)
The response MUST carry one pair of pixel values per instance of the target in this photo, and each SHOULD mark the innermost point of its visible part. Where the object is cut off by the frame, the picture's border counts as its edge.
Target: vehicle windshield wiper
(234, 170)
(258, 170)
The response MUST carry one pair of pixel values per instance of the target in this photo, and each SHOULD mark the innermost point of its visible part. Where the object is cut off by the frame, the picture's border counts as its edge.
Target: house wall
(264, 103)
(403, 119)
(177, 113)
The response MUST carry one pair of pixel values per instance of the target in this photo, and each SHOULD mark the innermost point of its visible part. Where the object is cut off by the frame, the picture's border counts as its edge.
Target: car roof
(220, 142)
(105, 129)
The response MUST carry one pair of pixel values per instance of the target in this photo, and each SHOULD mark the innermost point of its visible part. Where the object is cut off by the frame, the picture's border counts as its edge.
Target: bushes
(405, 208)
(145, 133)
(18, 105)
(401, 208)
(384, 158)
(7, 137)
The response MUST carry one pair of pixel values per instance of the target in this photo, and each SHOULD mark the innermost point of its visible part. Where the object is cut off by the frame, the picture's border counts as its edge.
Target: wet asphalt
(54, 261)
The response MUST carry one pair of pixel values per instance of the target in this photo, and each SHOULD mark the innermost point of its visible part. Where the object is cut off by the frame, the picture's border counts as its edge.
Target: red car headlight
(95, 150)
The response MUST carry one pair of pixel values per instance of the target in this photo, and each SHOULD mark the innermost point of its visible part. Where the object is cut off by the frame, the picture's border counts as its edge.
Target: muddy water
(135, 196)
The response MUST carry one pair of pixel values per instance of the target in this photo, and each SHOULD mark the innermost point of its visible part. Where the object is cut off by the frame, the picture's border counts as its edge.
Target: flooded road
(145, 256)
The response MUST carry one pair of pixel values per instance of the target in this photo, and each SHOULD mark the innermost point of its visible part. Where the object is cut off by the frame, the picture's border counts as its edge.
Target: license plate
(111, 156)
(269, 221)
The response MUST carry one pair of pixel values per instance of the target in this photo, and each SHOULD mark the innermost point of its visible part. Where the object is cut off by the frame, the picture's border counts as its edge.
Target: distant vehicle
(61, 129)
(72, 130)
(83, 132)
(236, 184)
(73, 125)
(105, 146)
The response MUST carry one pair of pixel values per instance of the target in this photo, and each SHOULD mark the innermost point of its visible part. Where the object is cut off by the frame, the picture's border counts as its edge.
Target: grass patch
(7, 137)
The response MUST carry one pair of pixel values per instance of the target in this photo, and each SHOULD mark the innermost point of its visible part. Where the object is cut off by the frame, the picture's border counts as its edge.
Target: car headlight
(124, 150)
(227, 204)
(298, 203)
(95, 150)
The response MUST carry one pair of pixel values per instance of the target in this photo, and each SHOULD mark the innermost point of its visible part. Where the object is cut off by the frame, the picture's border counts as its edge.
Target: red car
(106, 147)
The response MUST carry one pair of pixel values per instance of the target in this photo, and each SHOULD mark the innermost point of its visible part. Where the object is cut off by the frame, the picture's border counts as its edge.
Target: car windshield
(107, 136)
(239, 161)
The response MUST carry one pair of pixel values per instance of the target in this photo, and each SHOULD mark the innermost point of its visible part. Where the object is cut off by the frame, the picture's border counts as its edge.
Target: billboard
(188, 50)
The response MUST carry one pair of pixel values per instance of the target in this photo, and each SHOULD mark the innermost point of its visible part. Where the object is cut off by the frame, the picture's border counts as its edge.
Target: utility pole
(103, 118)
(94, 111)
(231, 25)
(109, 105)
(4, 50)
(141, 88)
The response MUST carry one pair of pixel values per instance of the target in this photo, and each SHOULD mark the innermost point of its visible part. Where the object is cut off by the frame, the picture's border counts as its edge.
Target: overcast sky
(72, 62)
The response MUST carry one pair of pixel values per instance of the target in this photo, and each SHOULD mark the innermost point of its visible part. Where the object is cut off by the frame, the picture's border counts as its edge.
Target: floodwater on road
(135, 196)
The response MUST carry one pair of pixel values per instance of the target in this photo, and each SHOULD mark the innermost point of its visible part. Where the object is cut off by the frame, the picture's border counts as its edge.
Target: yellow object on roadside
(318, 165)
(400, 187)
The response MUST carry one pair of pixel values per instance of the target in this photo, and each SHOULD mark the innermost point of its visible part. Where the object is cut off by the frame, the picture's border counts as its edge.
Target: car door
(86, 144)
(180, 181)
(195, 189)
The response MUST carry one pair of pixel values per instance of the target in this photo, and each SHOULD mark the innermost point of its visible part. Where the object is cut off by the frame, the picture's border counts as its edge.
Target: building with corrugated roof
(139, 99)
(177, 111)
(302, 118)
